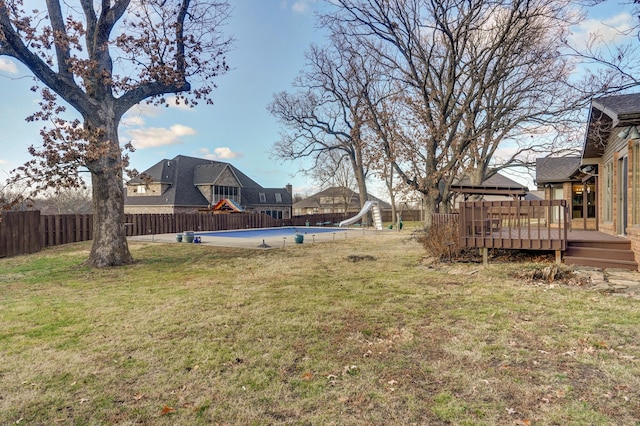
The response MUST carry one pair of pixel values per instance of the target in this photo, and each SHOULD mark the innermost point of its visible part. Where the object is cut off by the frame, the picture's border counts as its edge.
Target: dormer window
(278, 197)
(263, 197)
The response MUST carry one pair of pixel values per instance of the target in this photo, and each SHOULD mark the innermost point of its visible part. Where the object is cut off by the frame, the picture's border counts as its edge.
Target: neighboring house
(187, 185)
(605, 181)
(333, 200)
(561, 178)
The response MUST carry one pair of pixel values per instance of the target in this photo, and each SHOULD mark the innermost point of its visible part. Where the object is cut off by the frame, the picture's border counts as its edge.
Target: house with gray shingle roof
(336, 199)
(602, 185)
(561, 179)
(611, 155)
(188, 184)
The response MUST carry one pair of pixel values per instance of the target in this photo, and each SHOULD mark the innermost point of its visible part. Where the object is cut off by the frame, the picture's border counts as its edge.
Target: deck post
(558, 257)
(485, 256)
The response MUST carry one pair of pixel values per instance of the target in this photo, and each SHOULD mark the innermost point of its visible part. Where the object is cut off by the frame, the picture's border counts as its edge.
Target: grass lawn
(356, 331)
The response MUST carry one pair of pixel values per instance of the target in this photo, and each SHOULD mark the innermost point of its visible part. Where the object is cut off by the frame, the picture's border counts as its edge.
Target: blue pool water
(285, 231)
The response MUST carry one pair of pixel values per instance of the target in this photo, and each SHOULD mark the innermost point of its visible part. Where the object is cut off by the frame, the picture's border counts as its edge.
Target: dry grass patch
(345, 332)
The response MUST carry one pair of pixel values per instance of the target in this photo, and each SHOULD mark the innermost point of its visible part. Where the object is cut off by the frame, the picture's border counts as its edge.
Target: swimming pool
(284, 231)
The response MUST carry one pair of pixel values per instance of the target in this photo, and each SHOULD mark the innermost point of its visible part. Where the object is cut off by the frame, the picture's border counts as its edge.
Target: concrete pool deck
(273, 242)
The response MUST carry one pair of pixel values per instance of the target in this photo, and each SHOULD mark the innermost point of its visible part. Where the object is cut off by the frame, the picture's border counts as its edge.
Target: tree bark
(110, 246)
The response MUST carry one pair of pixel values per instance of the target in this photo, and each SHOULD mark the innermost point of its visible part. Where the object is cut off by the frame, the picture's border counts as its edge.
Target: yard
(357, 331)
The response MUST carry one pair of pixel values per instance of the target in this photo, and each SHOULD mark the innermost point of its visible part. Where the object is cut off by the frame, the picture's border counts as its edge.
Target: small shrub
(441, 241)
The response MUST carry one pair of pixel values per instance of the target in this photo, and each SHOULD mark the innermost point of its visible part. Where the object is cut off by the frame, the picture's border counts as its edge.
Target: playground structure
(375, 211)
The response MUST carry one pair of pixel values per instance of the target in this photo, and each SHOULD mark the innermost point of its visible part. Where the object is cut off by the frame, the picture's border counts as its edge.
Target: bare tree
(609, 57)
(455, 60)
(66, 201)
(326, 113)
(334, 169)
(102, 61)
(533, 100)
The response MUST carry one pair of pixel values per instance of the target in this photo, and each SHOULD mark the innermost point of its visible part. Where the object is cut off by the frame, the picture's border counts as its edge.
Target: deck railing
(527, 225)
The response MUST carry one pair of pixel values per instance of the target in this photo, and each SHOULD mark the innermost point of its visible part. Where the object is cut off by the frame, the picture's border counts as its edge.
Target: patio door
(623, 184)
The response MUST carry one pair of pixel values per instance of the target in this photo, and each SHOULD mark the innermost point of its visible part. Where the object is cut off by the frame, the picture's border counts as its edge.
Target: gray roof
(556, 169)
(251, 197)
(208, 173)
(619, 107)
(496, 181)
(182, 173)
(607, 113)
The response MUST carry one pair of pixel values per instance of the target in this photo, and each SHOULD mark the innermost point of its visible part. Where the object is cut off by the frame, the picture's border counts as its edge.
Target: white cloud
(603, 31)
(132, 121)
(7, 65)
(147, 110)
(220, 153)
(159, 136)
(298, 6)
(171, 101)
(301, 7)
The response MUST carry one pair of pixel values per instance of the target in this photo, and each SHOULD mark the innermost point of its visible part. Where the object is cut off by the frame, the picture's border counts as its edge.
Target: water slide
(377, 216)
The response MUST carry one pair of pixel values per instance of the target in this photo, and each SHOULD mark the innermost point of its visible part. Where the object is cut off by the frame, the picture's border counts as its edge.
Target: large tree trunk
(430, 207)
(110, 246)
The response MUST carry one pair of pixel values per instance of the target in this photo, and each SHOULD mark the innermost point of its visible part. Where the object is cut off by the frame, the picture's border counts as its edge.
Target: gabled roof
(338, 192)
(622, 109)
(208, 174)
(498, 184)
(607, 113)
(556, 169)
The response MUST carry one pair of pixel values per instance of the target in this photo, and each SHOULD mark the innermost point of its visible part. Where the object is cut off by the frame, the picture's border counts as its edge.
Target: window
(607, 205)
(229, 192)
(635, 184)
(273, 213)
(141, 189)
(278, 197)
(263, 197)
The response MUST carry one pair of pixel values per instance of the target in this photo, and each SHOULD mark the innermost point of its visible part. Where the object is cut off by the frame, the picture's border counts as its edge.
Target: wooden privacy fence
(29, 231)
(20, 233)
(147, 224)
(529, 225)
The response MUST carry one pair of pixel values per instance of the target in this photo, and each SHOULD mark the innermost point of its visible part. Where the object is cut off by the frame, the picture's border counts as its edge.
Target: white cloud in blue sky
(7, 65)
(153, 137)
(298, 6)
(611, 29)
(222, 153)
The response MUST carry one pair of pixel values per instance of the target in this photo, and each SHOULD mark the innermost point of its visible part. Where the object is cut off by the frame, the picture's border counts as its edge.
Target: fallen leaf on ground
(167, 410)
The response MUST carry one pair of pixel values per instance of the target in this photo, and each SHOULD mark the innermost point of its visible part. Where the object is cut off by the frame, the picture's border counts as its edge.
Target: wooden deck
(522, 225)
(518, 238)
(540, 225)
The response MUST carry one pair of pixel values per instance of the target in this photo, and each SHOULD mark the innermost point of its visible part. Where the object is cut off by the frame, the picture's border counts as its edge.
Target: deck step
(599, 253)
(601, 263)
(620, 244)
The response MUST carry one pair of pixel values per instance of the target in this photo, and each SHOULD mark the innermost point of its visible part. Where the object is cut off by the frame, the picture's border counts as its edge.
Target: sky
(271, 38)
